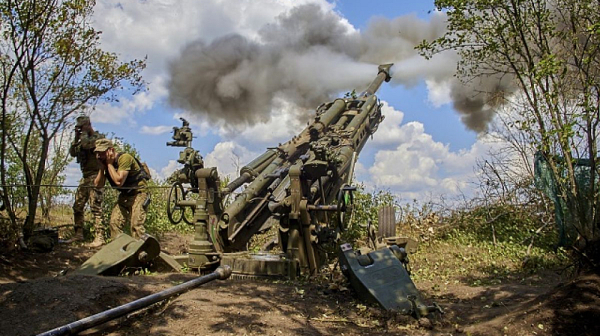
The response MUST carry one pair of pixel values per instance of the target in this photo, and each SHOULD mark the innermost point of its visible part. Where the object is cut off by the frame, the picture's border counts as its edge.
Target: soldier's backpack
(145, 171)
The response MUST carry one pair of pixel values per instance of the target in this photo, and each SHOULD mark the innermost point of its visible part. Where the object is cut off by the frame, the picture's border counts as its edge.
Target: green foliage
(13, 178)
(500, 222)
(157, 221)
(52, 68)
(480, 245)
(156, 214)
(548, 50)
(54, 175)
(365, 210)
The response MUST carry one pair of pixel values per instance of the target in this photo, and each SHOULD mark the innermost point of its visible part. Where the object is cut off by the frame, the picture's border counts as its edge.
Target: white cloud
(438, 92)
(404, 168)
(169, 169)
(388, 132)
(109, 114)
(156, 130)
(282, 126)
(411, 164)
(126, 109)
(114, 113)
(72, 175)
(229, 157)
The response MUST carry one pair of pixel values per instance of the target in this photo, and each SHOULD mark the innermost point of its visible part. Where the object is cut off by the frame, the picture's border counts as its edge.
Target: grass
(479, 254)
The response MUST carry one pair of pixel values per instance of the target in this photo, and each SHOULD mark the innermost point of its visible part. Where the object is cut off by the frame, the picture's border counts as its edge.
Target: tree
(550, 50)
(54, 176)
(52, 67)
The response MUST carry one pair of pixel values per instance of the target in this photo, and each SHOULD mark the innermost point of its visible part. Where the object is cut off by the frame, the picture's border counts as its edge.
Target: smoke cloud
(477, 100)
(309, 55)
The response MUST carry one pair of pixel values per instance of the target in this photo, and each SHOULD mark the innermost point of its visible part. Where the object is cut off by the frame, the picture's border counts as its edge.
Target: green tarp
(564, 213)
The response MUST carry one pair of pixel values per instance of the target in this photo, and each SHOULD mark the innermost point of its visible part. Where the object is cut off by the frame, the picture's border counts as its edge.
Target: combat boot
(98, 241)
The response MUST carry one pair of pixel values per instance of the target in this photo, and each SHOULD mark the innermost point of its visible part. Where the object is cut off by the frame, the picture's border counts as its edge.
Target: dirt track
(34, 298)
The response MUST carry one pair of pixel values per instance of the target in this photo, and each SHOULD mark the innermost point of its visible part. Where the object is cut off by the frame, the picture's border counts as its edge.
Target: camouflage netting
(564, 217)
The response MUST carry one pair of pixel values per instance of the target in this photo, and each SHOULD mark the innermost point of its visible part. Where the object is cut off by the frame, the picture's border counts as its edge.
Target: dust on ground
(37, 296)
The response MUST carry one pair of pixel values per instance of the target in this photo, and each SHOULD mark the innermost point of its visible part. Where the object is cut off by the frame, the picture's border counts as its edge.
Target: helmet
(82, 120)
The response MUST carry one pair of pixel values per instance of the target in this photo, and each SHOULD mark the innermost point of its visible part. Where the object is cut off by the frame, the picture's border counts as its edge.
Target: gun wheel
(174, 210)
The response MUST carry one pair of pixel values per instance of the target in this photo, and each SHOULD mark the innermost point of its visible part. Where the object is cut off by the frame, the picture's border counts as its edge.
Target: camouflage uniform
(130, 205)
(83, 150)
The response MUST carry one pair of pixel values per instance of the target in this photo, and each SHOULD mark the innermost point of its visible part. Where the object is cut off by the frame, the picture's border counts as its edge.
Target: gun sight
(182, 136)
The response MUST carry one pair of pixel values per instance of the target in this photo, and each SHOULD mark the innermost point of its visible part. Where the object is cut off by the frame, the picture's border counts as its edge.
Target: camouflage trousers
(129, 208)
(87, 192)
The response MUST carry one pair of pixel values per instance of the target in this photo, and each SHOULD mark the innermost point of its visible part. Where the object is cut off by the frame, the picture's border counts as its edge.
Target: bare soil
(37, 296)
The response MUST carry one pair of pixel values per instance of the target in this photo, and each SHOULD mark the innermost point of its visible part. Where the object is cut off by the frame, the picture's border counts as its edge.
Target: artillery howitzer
(302, 191)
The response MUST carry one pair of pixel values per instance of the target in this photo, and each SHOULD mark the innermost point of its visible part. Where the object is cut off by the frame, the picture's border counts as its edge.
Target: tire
(174, 211)
(387, 222)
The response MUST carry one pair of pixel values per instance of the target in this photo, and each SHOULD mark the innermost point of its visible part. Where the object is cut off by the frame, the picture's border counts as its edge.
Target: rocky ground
(38, 293)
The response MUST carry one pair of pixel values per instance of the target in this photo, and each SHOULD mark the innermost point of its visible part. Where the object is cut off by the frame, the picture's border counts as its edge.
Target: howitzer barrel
(364, 112)
(383, 75)
(221, 273)
(251, 170)
(251, 191)
(338, 106)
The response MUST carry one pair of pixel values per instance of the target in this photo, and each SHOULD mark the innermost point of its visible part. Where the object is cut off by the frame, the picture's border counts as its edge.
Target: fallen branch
(537, 232)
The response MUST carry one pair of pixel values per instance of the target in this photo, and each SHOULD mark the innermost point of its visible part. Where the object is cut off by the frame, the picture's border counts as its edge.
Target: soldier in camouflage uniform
(125, 174)
(82, 148)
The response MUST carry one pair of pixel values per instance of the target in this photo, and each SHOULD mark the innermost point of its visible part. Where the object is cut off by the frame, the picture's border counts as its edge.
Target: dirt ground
(37, 294)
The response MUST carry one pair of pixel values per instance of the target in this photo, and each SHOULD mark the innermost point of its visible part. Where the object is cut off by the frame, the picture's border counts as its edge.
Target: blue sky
(422, 149)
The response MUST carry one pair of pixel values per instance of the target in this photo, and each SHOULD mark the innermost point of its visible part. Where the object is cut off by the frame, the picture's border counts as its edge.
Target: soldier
(125, 174)
(82, 148)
